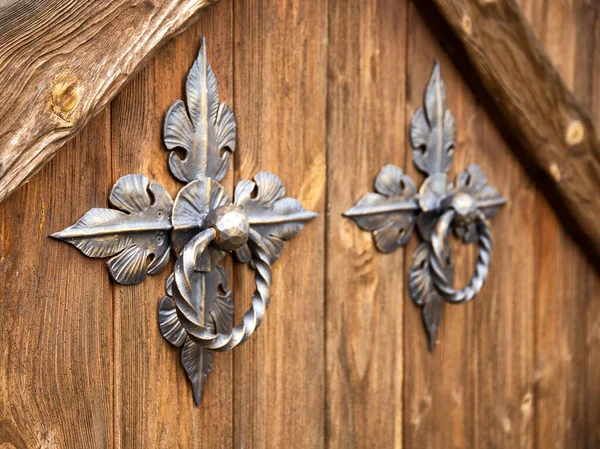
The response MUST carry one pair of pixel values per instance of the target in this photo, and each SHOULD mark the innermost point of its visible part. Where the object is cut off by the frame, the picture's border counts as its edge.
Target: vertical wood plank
(439, 387)
(56, 343)
(280, 99)
(592, 312)
(366, 131)
(566, 400)
(154, 406)
(504, 310)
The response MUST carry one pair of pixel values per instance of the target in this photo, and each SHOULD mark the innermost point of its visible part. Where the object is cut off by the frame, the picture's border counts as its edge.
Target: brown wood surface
(439, 386)
(280, 84)
(323, 93)
(556, 132)
(568, 305)
(61, 62)
(153, 401)
(364, 290)
(56, 341)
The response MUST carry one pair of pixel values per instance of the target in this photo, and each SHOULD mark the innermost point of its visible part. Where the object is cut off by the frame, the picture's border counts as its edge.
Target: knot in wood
(467, 25)
(65, 95)
(575, 133)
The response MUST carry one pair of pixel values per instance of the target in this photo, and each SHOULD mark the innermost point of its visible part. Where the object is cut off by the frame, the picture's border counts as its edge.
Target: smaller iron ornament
(437, 207)
(199, 227)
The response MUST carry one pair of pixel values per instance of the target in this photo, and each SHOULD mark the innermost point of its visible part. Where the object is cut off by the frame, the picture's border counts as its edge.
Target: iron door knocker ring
(200, 227)
(437, 207)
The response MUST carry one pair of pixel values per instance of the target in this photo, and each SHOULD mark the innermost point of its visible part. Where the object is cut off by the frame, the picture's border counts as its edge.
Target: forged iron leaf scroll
(438, 206)
(139, 228)
(200, 227)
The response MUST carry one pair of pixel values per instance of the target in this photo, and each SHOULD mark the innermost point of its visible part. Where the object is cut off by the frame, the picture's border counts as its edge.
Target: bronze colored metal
(200, 227)
(438, 206)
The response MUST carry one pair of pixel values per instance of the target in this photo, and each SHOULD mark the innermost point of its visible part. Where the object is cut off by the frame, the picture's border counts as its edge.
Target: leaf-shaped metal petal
(391, 212)
(420, 283)
(209, 294)
(275, 217)
(487, 198)
(138, 230)
(221, 309)
(192, 205)
(434, 190)
(423, 292)
(197, 363)
(433, 311)
(169, 324)
(203, 130)
(211, 306)
(473, 181)
(433, 195)
(433, 131)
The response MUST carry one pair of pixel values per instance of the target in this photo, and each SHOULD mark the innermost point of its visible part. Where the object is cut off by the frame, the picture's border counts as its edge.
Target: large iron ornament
(437, 207)
(199, 227)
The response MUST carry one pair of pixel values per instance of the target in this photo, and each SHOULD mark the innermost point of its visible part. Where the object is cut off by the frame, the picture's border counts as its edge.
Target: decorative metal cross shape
(200, 227)
(437, 207)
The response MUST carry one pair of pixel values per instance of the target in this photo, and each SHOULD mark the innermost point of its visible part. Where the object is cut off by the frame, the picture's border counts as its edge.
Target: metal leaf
(130, 235)
(221, 309)
(433, 311)
(168, 321)
(433, 131)
(391, 212)
(275, 217)
(211, 300)
(420, 283)
(434, 191)
(473, 181)
(203, 130)
(423, 292)
(191, 207)
(432, 197)
(197, 363)
(209, 294)
(488, 199)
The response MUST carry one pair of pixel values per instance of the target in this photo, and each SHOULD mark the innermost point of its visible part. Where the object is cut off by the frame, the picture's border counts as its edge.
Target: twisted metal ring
(184, 268)
(438, 260)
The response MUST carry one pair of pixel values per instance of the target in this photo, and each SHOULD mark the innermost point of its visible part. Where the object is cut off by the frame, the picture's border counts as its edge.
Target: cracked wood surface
(61, 62)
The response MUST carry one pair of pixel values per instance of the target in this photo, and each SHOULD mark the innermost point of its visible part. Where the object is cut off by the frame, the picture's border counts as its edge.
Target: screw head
(231, 225)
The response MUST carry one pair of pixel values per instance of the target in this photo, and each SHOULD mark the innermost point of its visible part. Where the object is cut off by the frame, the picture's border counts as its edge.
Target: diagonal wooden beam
(555, 132)
(62, 62)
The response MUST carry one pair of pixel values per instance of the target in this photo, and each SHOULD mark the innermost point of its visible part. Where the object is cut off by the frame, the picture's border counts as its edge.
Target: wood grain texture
(365, 131)
(280, 74)
(61, 62)
(324, 93)
(439, 386)
(504, 311)
(556, 133)
(154, 406)
(56, 341)
(567, 332)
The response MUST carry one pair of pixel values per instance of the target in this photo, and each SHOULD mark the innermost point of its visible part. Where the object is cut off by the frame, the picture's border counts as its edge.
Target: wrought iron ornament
(200, 227)
(437, 207)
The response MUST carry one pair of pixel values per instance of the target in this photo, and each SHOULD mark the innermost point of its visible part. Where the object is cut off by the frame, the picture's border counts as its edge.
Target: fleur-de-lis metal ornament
(200, 227)
(438, 206)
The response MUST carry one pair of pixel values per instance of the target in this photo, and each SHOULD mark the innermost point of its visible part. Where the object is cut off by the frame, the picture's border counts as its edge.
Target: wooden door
(323, 92)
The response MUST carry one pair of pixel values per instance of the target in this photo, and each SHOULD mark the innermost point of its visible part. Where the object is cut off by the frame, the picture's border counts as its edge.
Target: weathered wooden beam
(553, 129)
(62, 62)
